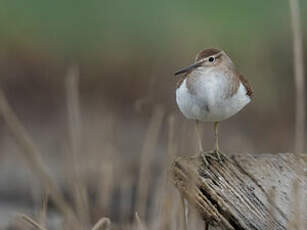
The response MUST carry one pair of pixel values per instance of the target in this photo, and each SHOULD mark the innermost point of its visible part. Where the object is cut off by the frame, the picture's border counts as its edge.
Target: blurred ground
(127, 53)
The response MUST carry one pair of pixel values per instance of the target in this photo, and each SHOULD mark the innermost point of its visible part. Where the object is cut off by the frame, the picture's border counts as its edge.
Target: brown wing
(247, 86)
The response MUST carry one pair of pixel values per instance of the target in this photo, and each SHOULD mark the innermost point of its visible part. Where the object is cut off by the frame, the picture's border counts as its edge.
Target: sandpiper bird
(211, 90)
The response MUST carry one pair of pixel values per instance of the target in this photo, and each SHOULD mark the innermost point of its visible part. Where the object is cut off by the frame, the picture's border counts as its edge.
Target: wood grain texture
(237, 194)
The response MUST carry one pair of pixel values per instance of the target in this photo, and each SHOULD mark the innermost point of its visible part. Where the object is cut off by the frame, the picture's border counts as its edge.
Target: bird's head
(208, 59)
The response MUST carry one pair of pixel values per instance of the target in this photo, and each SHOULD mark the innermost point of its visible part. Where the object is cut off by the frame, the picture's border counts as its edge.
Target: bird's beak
(189, 67)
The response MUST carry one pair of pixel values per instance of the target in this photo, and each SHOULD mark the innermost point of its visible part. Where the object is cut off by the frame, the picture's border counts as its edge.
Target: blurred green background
(127, 52)
(91, 29)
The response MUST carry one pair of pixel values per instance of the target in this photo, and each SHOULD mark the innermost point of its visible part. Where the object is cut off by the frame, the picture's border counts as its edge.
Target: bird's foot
(220, 155)
(206, 155)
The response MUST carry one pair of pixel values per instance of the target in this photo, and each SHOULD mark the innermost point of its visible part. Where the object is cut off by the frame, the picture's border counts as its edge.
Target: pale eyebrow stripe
(218, 54)
(215, 55)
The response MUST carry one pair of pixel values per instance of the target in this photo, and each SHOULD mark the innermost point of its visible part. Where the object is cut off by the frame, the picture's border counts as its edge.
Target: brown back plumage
(249, 90)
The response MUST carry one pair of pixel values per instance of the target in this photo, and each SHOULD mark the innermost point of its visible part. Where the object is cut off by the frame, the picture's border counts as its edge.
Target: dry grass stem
(103, 224)
(184, 223)
(73, 106)
(126, 195)
(106, 184)
(32, 155)
(150, 142)
(43, 211)
(298, 77)
(167, 201)
(74, 121)
(30, 221)
(139, 223)
(171, 146)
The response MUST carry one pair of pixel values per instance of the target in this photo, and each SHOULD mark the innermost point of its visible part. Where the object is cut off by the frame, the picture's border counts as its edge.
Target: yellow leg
(216, 132)
(219, 154)
(200, 145)
(203, 154)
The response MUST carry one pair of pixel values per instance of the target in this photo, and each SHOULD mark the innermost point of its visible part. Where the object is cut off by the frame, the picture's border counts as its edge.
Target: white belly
(209, 103)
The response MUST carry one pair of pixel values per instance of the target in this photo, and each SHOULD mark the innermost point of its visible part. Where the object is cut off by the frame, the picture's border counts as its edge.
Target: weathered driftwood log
(245, 192)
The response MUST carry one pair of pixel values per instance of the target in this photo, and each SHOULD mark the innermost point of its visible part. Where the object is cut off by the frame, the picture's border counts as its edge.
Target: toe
(221, 156)
(204, 159)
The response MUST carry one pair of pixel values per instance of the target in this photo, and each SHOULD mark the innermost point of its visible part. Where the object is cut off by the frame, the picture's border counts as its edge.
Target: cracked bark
(237, 193)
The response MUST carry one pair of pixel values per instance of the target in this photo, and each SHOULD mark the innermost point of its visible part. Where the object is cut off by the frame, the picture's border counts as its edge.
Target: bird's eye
(211, 59)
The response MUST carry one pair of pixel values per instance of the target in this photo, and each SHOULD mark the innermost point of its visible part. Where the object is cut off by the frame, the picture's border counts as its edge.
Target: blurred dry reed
(74, 127)
(300, 103)
(168, 199)
(32, 222)
(43, 212)
(32, 156)
(139, 223)
(146, 159)
(103, 224)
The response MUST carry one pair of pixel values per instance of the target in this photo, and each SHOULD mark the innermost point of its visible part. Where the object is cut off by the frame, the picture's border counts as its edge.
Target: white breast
(208, 101)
